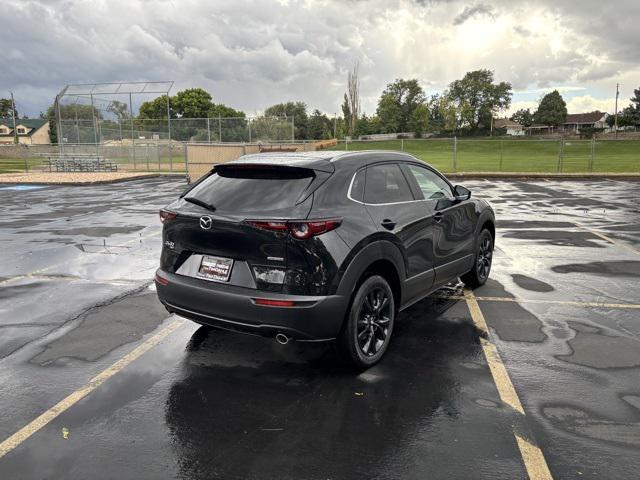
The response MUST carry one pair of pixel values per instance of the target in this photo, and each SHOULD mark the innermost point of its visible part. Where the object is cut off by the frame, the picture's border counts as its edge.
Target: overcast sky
(251, 54)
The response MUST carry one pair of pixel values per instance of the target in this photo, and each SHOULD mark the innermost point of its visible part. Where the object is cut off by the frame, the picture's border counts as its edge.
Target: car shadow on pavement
(245, 406)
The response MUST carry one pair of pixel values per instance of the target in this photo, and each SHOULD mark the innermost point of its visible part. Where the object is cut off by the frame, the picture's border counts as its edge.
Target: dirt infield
(66, 178)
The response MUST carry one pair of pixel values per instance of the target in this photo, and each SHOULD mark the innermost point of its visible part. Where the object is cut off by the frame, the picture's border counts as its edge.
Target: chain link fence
(518, 156)
(447, 154)
(217, 129)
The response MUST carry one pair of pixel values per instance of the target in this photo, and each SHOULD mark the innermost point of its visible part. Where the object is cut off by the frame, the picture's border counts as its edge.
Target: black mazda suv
(320, 246)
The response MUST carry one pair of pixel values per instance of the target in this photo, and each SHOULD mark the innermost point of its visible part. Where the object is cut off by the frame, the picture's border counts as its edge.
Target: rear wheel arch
(381, 257)
(387, 270)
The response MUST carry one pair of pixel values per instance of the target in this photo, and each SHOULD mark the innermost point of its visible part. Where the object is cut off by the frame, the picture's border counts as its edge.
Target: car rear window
(248, 188)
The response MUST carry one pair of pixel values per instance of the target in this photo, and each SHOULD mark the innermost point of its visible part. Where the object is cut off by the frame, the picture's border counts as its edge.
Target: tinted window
(251, 189)
(431, 184)
(357, 186)
(386, 184)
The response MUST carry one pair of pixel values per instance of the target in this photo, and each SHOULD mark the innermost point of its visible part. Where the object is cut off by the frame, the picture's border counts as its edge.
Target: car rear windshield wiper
(200, 203)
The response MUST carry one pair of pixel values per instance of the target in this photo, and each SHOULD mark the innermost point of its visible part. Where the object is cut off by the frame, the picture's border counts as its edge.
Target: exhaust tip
(282, 339)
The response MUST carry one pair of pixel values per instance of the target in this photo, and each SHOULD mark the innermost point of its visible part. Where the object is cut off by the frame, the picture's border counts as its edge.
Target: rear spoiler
(319, 165)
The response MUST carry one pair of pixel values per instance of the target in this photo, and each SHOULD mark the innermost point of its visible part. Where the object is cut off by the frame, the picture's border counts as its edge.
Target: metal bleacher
(79, 162)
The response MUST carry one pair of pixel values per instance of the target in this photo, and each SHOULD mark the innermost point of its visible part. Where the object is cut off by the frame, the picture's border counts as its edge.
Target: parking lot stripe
(572, 303)
(532, 456)
(609, 239)
(25, 432)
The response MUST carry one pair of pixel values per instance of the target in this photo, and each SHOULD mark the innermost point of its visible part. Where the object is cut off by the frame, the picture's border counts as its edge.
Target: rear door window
(242, 189)
(386, 183)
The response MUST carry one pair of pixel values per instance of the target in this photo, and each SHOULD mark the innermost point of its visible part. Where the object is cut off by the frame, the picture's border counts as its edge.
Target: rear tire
(479, 273)
(367, 330)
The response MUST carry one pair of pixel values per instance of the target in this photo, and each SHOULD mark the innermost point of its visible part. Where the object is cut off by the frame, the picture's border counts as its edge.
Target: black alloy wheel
(479, 273)
(369, 324)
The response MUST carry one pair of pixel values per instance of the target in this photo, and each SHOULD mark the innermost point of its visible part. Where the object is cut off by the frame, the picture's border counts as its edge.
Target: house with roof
(31, 131)
(512, 128)
(577, 121)
(573, 124)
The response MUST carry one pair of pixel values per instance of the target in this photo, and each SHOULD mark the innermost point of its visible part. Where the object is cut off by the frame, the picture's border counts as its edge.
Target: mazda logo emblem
(205, 222)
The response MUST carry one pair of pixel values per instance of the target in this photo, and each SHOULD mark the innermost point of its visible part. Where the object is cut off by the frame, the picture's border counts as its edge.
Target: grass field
(472, 155)
(515, 155)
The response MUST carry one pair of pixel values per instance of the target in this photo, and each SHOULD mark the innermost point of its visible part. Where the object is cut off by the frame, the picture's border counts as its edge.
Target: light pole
(13, 109)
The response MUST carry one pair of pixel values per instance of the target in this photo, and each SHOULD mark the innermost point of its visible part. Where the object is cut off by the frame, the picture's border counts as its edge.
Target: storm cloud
(250, 54)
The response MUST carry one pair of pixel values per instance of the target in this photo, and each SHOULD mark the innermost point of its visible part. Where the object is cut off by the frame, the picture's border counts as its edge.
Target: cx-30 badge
(205, 222)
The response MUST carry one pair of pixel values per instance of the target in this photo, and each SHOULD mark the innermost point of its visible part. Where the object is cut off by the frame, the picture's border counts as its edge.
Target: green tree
(119, 109)
(270, 128)
(397, 104)
(6, 109)
(192, 103)
(346, 115)
(523, 116)
(624, 119)
(477, 98)
(320, 126)
(223, 111)
(419, 121)
(632, 112)
(552, 110)
(156, 109)
(79, 123)
(297, 110)
(443, 116)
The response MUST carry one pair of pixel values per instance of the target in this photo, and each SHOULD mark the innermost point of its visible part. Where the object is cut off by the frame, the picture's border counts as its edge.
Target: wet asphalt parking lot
(98, 381)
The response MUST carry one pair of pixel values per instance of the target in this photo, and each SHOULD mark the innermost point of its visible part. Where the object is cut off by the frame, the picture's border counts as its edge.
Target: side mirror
(461, 193)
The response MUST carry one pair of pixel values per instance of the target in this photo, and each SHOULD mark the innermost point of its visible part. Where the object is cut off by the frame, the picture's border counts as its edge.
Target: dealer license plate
(215, 268)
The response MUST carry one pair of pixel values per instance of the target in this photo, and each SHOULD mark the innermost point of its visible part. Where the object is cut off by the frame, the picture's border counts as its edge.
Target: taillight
(162, 280)
(304, 230)
(299, 229)
(167, 216)
(269, 225)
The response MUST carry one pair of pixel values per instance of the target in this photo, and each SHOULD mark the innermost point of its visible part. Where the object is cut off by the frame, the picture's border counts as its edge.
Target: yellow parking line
(609, 239)
(25, 432)
(633, 306)
(532, 456)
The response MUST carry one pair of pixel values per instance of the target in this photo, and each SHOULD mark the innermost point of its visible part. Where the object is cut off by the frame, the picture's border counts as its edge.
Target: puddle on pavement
(508, 224)
(558, 238)
(620, 268)
(510, 321)
(528, 283)
(591, 348)
(92, 231)
(582, 423)
(22, 188)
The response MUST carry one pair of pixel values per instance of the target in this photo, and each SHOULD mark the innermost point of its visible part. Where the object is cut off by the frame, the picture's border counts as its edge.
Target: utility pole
(616, 114)
(335, 125)
(13, 109)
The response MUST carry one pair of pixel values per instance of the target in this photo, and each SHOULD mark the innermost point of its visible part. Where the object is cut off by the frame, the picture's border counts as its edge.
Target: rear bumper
(232, 308)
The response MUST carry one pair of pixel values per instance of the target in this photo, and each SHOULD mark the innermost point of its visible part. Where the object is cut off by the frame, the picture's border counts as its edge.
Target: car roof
(322, 160)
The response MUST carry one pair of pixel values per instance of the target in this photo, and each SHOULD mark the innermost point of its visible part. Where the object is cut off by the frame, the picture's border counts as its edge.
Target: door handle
(388, 224)
(438, 217)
